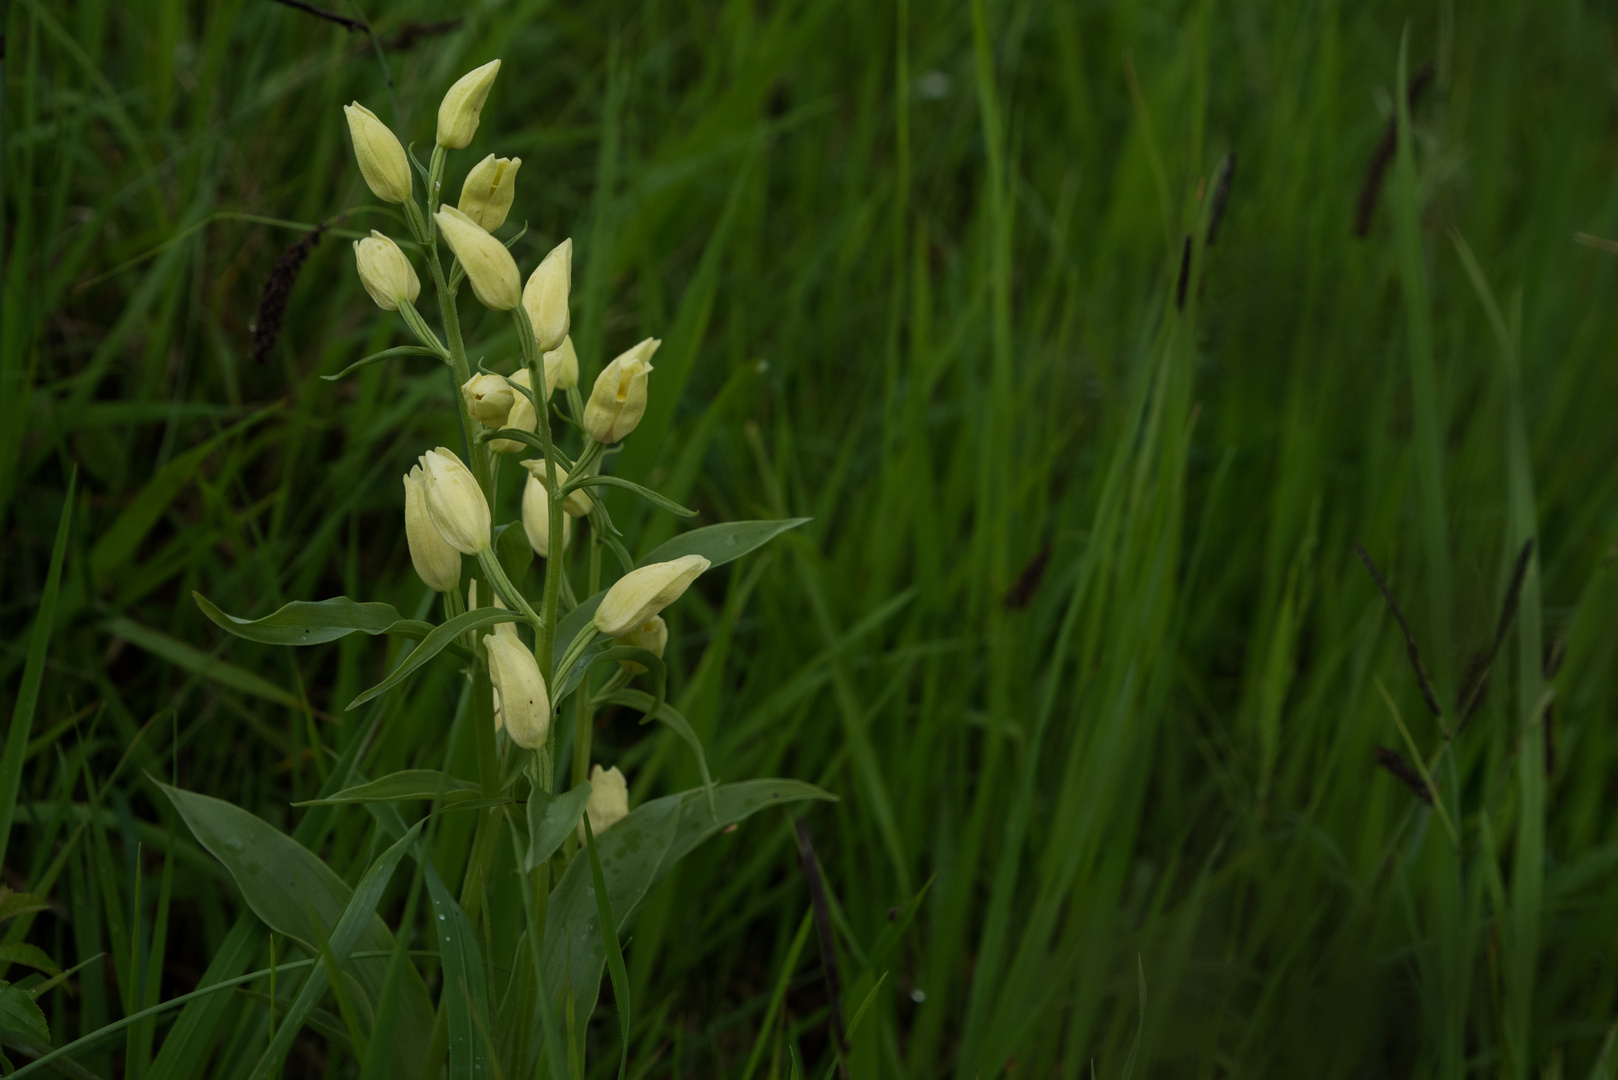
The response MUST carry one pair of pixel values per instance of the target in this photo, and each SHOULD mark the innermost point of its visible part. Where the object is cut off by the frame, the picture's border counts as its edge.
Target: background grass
(914, 266)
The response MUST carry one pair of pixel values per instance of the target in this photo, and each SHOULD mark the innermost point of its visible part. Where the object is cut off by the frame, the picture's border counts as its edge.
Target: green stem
(543, 649)
(502, 584)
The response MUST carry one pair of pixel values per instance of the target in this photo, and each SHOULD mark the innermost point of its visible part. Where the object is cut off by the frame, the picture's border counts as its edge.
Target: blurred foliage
(915, 267)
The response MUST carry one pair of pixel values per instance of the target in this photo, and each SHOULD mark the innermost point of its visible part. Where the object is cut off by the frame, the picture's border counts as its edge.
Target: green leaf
(667, 714)
(512, 549)
(609, 942)
(720, 544)
(378, 357)
(314, 622)
(358, 912)
(635, 855)
(408, 784)
(116, 547)
(551, 819)
(194, 660)
(13, 904)
(607, 480)
(465, 991)
(33, 675)
(19, 1014)
(23, 953)
(287, 886)
(443, 635)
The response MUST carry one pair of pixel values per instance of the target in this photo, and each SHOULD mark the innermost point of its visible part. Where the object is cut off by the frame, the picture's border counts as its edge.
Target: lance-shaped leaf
(287, 886)
(635, 855)
(442, 636)
(408, 784)
(385, 354)
(314, 622)
(551, 819)
(465, 992)
(719, 544)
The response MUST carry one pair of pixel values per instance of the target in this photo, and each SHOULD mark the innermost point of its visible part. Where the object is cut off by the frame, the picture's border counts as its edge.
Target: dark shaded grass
(942, 311)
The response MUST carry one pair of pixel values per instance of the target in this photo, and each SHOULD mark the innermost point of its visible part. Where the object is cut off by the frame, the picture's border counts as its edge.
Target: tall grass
(1077, 632)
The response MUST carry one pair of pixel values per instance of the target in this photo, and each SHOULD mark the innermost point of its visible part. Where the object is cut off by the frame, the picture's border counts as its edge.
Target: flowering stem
(546, 638)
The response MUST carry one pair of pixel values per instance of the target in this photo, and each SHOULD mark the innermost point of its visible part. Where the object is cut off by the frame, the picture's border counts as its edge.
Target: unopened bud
(609, 800)
(381, 157)
(437, 564)
(385, 272)
(651, 635)
(459, 112)
(562, 366)
(618, 399)
(455, 502)
(576, 504)
(521, 417)
(488, 265)
(489, 188)
(489, 399)
(525, 707)
(536, 519)
(545, 296)
(643, 592)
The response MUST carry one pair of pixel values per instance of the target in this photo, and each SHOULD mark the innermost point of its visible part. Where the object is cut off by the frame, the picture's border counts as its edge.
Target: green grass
(914, 268)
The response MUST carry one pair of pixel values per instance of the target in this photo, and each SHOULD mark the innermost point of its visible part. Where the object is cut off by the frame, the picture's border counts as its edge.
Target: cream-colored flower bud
(545, 297)
(489, 399)
(618, 400)
(385, 272)
(525, 707)
(576, 504)
(536, 519)
(643, 592)
(437, 564)
(488, 190)
(562, 366)
(488, 265)
(651, 635)
(459, 112)
(609, 800)
(521, 417)
(381, 157)
(455, 502)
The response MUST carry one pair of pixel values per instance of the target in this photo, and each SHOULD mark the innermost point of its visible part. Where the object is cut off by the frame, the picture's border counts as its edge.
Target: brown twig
(1410, 639)
(1371, 190)
(353, 26)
